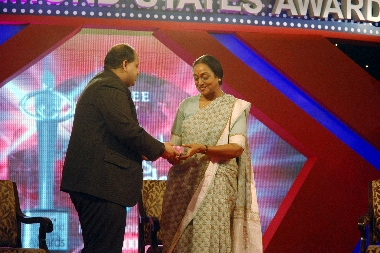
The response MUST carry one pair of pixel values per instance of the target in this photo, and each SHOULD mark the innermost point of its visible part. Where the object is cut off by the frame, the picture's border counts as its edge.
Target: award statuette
(48, 108)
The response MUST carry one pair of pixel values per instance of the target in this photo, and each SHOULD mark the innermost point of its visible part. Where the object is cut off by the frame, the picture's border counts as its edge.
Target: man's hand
(170, 152)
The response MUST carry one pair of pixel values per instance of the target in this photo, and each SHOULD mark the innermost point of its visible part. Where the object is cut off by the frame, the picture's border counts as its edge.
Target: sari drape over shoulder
(210, 204)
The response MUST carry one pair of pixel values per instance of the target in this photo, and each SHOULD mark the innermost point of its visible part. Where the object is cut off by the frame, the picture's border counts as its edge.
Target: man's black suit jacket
(104, 155)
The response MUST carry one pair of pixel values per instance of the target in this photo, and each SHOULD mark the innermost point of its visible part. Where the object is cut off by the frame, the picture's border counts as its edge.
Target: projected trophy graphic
(48, 108)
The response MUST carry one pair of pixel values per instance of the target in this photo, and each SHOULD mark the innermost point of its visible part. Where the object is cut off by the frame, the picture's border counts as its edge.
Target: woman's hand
(193, 148)
(225, 151)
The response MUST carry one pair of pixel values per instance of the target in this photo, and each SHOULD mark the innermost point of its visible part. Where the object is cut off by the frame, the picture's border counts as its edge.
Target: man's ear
(125, 63)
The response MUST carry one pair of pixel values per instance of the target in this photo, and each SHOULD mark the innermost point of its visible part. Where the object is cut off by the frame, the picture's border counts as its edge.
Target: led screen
(36, 112)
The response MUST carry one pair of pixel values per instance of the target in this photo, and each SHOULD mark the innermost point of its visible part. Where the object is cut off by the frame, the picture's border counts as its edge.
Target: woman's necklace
(203, 102)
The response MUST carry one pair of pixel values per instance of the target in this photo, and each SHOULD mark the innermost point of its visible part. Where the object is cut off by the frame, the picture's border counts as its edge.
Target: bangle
(205, 150)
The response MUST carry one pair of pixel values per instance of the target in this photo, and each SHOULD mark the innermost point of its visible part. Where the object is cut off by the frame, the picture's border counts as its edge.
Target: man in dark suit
(103, 166)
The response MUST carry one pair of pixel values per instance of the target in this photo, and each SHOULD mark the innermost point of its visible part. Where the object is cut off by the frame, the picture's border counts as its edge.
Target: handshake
(174, 154)
(177, 152)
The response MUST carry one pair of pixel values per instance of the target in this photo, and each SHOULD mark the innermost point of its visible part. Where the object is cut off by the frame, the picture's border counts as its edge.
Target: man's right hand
(170, 152)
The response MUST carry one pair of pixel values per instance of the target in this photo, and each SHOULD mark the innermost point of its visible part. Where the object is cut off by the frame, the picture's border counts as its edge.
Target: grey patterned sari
(210, 204)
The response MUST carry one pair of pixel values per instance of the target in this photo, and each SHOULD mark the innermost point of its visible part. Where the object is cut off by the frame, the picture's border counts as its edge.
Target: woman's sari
(210, 205)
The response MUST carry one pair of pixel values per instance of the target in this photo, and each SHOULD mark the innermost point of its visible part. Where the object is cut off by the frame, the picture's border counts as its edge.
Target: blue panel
(7, 31)
(340, 130)
(357, 248)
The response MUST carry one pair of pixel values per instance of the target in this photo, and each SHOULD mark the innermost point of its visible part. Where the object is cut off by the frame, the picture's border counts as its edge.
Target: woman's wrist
(206, 149)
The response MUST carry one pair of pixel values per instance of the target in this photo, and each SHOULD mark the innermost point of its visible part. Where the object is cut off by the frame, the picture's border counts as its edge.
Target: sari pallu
(204, 195)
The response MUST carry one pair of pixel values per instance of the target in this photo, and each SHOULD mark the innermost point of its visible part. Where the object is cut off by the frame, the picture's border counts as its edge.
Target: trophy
(48, 108)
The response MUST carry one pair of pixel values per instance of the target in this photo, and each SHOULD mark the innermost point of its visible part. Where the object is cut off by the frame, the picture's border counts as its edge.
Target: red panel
(30, 45)
(335, 194)
(331, 78)
(320, 212)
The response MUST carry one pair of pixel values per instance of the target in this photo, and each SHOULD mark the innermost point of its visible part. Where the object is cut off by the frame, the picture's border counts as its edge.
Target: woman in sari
(210, 202)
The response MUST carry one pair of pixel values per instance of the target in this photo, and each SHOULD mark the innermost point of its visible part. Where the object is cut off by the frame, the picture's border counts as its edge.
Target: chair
(150, 206)
(369, 223)
(11, 218)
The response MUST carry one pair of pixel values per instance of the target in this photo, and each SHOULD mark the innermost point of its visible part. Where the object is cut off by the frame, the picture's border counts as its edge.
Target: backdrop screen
(36, 112)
